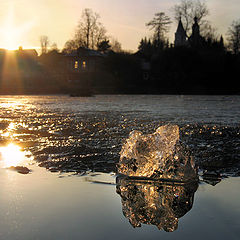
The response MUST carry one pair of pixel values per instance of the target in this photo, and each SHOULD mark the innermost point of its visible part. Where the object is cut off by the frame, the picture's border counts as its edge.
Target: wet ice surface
(82, 135)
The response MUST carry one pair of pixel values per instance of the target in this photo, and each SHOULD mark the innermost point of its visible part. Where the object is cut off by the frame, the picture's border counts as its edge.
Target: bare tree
(54, 47)
(115, 45)
(209, 32)
(233, 37)
(99, 35)
(78, 39)
(44, 41)
(186, 10)
(160, 24)
(90, 32)
(70, 46)
(88, 25)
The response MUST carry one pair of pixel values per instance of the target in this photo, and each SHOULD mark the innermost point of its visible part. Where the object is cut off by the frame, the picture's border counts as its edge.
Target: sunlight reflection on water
(12, 156)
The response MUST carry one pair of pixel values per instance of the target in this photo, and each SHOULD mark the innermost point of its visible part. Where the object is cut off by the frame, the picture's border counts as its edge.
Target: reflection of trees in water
(155, 203)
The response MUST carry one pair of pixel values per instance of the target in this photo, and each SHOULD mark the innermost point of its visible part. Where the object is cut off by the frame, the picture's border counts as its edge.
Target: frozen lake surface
(78, 141)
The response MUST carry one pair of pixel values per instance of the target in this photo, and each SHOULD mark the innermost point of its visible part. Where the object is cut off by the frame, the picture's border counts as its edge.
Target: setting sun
(12, 35)
(10, 38)
(9, 32)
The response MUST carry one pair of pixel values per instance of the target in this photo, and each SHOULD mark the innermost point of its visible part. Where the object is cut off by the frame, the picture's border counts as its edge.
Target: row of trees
(234, 37)
(202, 68)
(91, 33)
(187, 10)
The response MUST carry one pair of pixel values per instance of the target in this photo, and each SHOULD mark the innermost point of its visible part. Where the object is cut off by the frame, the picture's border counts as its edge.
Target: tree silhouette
(233, 37)
(89, 32)
(160, 24)
(70, 46)
(44, 41)
(104, 46)
(115, 45)
(186, 10)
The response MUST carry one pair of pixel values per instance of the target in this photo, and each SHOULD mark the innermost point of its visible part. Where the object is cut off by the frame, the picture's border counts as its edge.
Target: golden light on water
(10, 128)
(12, 155)
(12, 104)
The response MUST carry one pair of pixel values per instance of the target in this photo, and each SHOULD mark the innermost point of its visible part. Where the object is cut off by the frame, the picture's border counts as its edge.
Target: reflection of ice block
(155, 202)
(159, 156)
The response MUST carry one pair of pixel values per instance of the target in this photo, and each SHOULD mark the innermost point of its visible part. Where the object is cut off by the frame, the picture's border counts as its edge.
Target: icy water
(71, 146)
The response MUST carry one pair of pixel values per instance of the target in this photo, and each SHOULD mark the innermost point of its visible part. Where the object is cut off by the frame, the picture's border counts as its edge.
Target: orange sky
(22, 22)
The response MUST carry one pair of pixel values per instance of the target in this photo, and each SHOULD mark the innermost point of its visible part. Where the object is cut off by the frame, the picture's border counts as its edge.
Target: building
(180, 35)
(27, 53)
(196, 40)
(81, 65)
(181, 38)
(83, 60)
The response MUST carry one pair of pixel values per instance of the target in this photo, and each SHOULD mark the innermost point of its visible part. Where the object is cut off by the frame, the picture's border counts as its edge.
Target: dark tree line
(187, 69)
(91, 33)
(234, 37)
(208, 67)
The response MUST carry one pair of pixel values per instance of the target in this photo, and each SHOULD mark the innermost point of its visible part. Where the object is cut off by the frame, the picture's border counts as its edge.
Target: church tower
(196, 40)
(180, 35)
(195, 29)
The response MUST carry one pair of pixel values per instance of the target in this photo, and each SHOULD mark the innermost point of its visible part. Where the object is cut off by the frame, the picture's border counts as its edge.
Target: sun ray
(11, 36)
(11, 75)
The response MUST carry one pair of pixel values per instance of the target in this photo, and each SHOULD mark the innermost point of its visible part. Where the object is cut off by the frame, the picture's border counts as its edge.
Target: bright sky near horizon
(22, 22)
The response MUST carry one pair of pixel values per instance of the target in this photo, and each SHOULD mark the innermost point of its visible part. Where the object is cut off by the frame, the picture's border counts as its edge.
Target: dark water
(82, 137)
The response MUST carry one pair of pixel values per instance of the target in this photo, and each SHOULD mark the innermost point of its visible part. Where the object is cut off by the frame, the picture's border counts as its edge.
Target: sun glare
(11, 155)
(11, 34)
(11, 39)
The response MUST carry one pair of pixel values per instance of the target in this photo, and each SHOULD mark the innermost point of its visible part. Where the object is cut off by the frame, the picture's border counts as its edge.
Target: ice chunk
(160, 155)
(154, 202)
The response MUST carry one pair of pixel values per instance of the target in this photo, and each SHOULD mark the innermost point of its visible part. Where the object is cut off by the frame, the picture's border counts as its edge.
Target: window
(76, 65)
(84, 65)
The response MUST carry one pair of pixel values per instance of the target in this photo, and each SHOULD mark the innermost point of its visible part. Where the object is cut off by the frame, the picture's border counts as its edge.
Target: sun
(11, 35)
(11, 38)
(9, 32)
